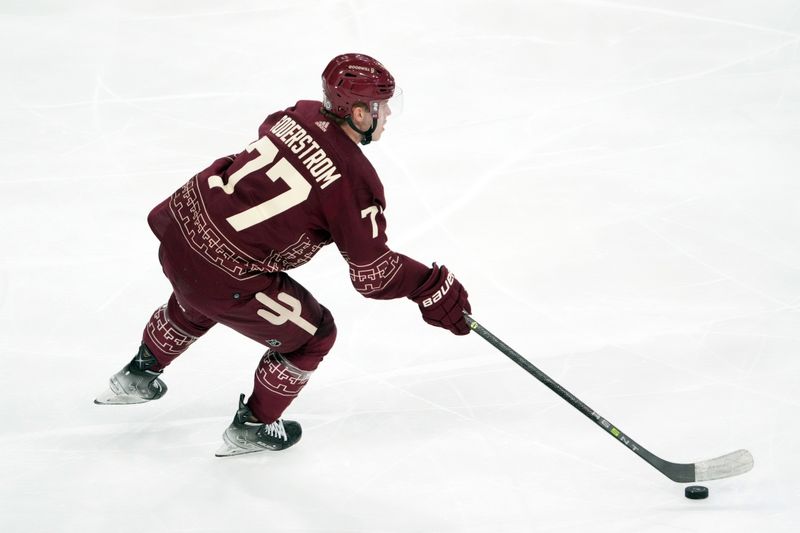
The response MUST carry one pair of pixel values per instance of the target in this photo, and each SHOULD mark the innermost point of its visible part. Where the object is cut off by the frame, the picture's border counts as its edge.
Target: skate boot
(248, 435)
(135, 383)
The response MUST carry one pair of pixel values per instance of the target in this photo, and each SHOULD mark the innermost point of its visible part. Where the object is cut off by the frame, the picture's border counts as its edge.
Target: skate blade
(109, 397)
(229, 449)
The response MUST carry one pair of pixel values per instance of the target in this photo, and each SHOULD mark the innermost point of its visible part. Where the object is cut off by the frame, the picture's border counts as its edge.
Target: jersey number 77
(299, 188)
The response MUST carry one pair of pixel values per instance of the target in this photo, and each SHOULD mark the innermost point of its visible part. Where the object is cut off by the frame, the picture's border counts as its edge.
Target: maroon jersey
(302, 185)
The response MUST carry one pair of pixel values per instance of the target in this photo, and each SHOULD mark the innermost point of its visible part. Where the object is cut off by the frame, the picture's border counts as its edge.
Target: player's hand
(443, 301)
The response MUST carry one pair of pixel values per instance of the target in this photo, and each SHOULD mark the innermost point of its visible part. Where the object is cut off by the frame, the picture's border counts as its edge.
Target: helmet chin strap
(366, 136)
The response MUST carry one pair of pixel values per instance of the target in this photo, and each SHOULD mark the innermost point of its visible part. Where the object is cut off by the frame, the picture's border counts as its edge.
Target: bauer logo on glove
(443, 300)
(439, 294)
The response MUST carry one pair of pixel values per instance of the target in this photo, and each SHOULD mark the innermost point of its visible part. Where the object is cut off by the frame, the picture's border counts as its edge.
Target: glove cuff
(434, 288)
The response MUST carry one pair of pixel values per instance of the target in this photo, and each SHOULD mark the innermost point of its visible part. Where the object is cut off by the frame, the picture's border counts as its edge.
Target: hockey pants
(282, 315)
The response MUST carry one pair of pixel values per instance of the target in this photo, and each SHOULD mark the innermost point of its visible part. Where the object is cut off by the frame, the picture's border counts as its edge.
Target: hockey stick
(732, 464)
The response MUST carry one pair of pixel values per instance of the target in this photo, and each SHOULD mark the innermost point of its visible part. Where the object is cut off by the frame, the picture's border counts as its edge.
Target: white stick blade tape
(732, 464)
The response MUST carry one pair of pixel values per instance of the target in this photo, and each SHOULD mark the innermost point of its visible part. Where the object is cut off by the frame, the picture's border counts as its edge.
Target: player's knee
(187, 319)
(322, 342)
(310, 355)
(327, 330)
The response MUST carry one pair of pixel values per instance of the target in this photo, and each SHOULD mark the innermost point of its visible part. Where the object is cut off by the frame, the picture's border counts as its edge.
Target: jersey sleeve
(357, 225)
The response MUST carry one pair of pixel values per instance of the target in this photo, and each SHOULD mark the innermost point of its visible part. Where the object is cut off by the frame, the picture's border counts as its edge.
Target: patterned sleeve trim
(376, 276)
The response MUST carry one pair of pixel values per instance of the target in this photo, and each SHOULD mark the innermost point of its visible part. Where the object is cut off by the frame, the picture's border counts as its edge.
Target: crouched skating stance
(229, 234)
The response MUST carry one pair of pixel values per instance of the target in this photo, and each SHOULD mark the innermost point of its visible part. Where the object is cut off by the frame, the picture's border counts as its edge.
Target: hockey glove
(443, 300)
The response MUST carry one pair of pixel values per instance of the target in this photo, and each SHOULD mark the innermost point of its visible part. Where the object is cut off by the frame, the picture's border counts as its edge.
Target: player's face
(383, 113)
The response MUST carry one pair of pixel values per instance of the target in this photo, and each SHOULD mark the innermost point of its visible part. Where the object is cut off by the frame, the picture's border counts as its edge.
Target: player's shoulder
(303, 124)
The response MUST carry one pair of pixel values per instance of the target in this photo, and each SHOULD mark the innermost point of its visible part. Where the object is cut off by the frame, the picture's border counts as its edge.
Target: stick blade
(732, 464)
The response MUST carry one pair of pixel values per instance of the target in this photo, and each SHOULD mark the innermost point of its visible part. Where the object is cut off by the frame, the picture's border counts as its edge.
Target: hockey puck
(696, 492)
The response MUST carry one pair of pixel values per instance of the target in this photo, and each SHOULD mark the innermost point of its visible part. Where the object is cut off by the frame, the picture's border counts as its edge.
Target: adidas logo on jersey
(323, 125)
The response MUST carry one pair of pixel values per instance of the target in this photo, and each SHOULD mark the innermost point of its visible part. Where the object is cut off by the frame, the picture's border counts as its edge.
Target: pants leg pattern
(280, 377)
(172, 329)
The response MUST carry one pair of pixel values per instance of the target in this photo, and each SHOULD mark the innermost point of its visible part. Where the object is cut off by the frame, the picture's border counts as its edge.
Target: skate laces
(276, 429)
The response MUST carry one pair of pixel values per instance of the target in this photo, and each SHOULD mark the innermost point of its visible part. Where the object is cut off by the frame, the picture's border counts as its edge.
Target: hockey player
(229, 234)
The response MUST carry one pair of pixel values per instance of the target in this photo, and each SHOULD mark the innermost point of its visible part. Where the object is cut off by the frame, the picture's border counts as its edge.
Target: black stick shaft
(676, 472)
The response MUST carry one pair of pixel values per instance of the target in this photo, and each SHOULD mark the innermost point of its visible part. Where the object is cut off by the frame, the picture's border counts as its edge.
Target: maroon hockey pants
(283, 316)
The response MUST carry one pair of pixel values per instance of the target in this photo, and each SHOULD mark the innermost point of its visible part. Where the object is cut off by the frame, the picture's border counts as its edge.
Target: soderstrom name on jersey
(298, 140)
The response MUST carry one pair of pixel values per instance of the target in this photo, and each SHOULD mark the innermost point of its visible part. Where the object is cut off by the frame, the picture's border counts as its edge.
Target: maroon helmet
(352, 78)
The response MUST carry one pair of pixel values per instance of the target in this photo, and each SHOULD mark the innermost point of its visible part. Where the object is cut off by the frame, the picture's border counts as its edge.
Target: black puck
(696, 492)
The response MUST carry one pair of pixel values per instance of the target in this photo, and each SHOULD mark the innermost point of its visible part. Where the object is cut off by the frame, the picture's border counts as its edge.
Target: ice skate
(247, 435)
(135, 383)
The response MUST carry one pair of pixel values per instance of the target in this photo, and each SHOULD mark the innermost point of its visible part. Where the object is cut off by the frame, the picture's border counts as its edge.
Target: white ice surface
(616, 183)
